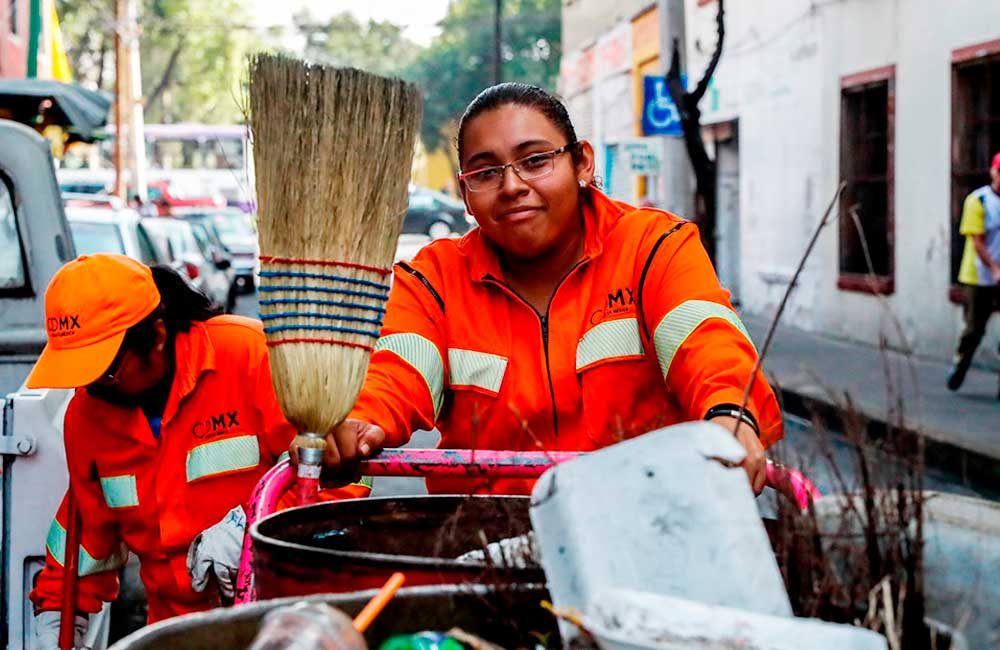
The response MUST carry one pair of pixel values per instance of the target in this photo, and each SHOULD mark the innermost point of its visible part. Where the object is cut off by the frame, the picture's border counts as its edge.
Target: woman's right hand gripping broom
(350, 441)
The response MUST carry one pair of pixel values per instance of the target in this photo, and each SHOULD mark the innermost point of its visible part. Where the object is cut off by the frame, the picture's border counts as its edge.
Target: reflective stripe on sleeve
(609, 340)
(423, 356)
(120, 491)
(56, 545)
(478, 369)
(222, 456)
(684, 319)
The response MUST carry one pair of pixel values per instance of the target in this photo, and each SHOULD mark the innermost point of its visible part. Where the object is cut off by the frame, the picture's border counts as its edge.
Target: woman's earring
(583, 183)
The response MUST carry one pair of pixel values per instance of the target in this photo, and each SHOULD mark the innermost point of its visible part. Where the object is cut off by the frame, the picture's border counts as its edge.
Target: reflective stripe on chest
(476, 369)
(222, 457)
(609, 340)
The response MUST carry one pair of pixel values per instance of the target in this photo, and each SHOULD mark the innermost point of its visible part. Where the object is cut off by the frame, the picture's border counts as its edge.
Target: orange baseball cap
(89, 304)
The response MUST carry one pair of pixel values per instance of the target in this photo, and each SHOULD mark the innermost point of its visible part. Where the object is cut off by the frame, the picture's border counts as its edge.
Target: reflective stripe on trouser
(682, 321)
(609, 340)
(423, 356)
(478, 369)
(222, 457)
(56, 545)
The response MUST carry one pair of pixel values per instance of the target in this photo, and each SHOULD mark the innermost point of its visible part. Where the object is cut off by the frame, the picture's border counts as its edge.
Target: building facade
(899, 101)
(13, 38)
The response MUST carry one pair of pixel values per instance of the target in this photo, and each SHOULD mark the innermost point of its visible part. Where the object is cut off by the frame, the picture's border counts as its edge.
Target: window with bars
(866, 165)
(975, 131)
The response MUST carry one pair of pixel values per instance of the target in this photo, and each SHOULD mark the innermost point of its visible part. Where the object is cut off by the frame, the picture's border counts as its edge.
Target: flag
(60, 62)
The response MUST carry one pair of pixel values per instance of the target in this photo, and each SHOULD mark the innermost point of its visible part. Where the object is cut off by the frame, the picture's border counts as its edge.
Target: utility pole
(130, 146)
(497, 55)
(675, 186)
(119, 151)
(137, 131)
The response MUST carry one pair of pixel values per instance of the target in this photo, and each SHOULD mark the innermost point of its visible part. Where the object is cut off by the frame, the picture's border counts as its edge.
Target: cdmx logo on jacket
(215, 425)
(63, 325)
(620, 301)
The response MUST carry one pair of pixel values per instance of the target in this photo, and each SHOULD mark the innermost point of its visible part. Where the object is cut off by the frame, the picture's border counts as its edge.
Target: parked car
(86, 181)
(83, 200)
(215, 279)
(237, 233)
(435, 214)
(100, 230)
(35, 241)
(175, 197)
(215, 252)
(83, 187)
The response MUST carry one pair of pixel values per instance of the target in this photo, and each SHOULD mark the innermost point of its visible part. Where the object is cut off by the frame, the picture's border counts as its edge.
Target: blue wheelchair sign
(659, 112)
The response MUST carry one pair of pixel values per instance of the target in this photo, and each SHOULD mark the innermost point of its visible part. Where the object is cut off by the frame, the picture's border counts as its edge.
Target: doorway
(727, 207)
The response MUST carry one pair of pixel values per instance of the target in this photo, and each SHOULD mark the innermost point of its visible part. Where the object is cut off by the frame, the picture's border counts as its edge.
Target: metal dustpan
(660, 513)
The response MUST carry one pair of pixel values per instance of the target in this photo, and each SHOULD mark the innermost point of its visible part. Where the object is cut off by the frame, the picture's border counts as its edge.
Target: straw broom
(333, 150)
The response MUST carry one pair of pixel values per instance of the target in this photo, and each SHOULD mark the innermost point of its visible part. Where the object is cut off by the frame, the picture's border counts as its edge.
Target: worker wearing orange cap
(173, 422)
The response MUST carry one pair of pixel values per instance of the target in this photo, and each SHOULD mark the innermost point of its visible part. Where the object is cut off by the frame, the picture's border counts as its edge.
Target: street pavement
(821, 368)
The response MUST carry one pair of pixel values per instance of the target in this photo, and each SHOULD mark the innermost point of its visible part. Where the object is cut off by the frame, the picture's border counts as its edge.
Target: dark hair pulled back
(520, 94)
(180, 306)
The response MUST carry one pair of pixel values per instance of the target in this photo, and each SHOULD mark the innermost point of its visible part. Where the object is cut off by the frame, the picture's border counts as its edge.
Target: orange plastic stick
(378, 603)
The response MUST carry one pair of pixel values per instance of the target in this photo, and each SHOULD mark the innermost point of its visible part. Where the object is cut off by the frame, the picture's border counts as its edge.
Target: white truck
(34, 242)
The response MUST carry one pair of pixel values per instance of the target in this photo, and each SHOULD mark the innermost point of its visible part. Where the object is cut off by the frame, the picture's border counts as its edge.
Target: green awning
(82, 112)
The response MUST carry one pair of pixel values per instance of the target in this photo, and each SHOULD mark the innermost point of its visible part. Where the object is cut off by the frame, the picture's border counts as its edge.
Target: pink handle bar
(463, 463)
(532, 464)
(263, 501)
(792, 484)
(456, 463)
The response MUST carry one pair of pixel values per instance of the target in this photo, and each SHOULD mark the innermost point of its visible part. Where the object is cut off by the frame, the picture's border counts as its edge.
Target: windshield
(96, 238)
(233, 225)
(11, 265)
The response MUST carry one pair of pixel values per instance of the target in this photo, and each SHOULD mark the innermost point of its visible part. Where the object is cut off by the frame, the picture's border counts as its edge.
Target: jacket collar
(600, 215)
(193, 356)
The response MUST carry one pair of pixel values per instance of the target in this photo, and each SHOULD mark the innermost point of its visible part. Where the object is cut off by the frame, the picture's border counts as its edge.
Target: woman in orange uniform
(566, 321)
(173, 422)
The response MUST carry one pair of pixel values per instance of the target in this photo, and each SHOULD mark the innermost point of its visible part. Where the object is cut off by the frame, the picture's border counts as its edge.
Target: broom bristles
(333, 150)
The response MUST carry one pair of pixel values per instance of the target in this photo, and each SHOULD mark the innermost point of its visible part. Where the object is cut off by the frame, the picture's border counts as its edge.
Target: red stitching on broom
(348, 344)
(267, 259)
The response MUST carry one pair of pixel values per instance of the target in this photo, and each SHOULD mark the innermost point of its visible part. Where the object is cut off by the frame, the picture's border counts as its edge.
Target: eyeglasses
(528, 168)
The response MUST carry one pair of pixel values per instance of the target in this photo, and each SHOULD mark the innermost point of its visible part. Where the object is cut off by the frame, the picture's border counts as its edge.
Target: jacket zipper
(543, 320)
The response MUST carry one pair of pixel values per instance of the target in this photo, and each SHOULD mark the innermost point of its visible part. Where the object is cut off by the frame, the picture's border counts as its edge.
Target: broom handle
(71, 560)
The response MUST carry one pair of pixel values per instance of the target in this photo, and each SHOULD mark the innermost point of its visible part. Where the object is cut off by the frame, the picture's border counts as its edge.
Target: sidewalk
(812, 366)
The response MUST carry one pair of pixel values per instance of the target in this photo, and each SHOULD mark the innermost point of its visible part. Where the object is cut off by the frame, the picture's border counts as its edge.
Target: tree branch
(102, 61)
(720, 27)
(168, 74)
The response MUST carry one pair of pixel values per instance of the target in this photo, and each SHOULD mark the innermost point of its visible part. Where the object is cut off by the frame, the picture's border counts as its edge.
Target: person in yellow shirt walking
(980, 270)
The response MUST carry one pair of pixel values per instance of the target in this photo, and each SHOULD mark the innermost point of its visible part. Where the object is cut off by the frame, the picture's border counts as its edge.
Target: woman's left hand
(755, 462)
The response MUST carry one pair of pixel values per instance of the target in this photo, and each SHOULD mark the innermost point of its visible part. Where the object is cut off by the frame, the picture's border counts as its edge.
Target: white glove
(216, 551)
(47, 630)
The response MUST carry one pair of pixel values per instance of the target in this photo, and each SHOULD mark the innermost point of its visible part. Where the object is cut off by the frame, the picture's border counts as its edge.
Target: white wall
(584, 20)
(780, 76)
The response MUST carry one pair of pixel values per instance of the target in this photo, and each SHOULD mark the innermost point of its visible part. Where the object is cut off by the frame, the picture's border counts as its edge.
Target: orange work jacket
(638, 335)
(221, 430)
